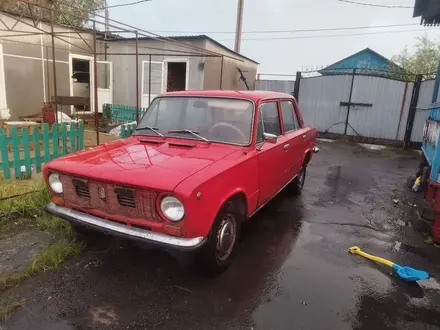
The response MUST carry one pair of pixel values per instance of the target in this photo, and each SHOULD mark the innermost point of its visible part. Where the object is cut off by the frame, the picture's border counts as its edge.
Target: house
(429, 10)
(27, 77)
(366, 61)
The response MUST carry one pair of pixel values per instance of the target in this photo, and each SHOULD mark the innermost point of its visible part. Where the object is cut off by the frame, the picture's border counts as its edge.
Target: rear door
(271, 155)
(296, 138)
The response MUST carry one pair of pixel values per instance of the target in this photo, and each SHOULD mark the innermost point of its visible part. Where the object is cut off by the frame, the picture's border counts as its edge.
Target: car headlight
(172, 208)
(55, 183)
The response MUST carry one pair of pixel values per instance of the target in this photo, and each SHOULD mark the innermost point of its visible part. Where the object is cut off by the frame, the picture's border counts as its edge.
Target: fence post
(37, 149)
(15, 142)
(412, 111)
(349, 101)
(436, 85)
(4, 153)
(297, 85)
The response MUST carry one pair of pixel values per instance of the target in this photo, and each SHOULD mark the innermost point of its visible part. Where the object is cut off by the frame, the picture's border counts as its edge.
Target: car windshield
(200, 118)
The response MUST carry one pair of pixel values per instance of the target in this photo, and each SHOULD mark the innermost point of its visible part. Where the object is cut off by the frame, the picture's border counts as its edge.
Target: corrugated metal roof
(191, 37)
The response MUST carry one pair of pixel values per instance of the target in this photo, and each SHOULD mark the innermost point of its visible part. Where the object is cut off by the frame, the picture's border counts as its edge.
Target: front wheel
(218, 252)
(296, 186)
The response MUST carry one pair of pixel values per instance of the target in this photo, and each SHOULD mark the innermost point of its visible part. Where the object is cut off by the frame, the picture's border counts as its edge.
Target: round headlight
(55, 183)
(172, 208)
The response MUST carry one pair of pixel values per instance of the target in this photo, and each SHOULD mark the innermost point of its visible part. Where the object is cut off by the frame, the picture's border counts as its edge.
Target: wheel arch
(307, 157)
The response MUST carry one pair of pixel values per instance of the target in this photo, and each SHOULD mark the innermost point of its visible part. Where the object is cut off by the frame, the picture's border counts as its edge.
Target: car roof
(249, 95)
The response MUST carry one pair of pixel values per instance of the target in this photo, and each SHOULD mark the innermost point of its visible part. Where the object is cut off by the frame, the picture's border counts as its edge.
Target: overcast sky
(282, 56)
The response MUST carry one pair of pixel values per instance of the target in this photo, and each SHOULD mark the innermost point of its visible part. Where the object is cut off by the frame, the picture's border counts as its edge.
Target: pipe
(137, 78)
(149, 82)
(95, 84)
(54, 69)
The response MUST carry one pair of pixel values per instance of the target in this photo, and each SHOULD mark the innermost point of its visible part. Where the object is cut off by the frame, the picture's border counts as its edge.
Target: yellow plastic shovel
(406, 273)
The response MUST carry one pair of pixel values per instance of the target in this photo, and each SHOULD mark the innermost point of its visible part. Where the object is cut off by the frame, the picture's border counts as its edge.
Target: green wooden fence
(127, 130)
(33, 149)
(121, 113)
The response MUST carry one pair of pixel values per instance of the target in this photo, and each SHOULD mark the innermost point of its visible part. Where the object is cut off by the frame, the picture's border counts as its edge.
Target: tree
(63, 10)
(424, 60)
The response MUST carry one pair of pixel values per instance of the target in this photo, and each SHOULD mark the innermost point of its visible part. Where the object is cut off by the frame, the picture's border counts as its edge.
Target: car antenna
(243, 78)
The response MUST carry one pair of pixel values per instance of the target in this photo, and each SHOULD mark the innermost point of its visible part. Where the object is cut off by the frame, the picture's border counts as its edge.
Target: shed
(175, 68)
(26, 67)
(367, 61)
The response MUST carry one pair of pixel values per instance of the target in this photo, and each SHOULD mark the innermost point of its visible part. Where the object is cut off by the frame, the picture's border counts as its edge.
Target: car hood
(160, 166)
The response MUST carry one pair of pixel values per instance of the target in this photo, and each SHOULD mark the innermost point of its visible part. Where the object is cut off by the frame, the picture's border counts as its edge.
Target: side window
(289, 116)
(270, 118)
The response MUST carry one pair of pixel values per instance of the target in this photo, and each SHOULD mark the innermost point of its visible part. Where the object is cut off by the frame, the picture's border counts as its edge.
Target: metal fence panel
(385, 118)
(422, 112)
(320, 99)
(282, 86)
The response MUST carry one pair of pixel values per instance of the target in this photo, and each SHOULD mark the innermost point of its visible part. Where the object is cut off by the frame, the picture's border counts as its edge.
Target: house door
(105, 83)
(175, 74)
(151, 87)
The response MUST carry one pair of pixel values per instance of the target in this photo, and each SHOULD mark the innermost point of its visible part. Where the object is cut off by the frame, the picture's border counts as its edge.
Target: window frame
(280, 118)
(252, 129)
(294, 115)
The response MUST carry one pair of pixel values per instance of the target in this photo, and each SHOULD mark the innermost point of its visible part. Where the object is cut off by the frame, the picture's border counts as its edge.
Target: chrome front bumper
(123, 230)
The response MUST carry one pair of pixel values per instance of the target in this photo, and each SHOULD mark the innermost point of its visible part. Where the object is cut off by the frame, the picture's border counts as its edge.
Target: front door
(105, 83)
(271, 157)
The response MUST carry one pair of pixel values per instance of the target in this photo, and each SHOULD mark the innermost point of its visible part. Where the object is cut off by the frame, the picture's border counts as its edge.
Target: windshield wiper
(193, 133)
(154, 129)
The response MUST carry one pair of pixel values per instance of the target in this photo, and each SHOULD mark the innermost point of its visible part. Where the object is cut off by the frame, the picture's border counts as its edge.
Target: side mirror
(270, 138)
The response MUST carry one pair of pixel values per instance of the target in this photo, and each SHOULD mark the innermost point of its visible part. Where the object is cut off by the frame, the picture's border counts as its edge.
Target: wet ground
(292, 269)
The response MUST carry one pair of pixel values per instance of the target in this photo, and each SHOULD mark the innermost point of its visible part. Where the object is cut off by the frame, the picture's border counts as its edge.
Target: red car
(199, 164)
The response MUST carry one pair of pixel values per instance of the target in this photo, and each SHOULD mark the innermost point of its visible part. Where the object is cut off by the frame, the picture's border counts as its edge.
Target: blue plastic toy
(406, 273)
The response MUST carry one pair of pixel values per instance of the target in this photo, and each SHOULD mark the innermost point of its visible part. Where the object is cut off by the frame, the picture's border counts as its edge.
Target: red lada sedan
(199, 164)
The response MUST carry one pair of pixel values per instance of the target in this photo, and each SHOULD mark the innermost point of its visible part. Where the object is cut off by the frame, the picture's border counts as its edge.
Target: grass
(52, 257)
(45, 260)
(9, 307)
(48, 222)
(29, 206)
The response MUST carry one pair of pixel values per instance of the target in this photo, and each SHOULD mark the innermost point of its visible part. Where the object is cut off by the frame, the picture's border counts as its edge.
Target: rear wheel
(218, 252)
(297, 184)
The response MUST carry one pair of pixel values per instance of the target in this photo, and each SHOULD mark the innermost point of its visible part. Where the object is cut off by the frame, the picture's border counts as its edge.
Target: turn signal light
(58, 200)
(172, 231)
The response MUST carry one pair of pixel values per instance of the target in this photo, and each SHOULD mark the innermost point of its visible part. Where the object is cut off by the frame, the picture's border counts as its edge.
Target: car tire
(218, 252)
(296, 186)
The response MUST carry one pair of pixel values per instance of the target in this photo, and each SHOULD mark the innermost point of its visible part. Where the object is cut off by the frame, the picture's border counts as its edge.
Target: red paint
(214, 171)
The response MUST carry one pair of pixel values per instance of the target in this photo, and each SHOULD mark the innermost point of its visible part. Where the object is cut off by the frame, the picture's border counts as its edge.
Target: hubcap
(226, 236)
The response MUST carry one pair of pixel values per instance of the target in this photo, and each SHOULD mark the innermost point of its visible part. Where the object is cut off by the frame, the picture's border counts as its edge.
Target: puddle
(373, 146)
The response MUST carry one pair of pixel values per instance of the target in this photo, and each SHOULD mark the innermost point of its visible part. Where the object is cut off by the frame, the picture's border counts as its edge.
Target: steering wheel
(219, 131)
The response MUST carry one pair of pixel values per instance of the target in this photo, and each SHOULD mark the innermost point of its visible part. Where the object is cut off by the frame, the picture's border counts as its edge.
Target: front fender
(211, 187)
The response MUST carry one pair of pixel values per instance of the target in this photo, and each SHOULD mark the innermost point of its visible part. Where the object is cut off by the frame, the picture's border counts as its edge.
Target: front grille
(81, 188)
(116, 200)
(125, 197)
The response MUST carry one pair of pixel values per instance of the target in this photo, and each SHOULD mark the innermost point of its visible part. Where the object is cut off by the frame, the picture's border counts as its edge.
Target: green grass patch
(10, 306)
(52, 257)
(46, 260)
(34, 196)
(47, 222)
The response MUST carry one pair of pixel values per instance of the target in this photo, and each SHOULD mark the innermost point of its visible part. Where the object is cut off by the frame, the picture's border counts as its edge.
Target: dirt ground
(292, 269)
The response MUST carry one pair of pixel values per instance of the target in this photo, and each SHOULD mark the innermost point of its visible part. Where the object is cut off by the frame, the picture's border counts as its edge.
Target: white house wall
(124, 67)
(28, 64)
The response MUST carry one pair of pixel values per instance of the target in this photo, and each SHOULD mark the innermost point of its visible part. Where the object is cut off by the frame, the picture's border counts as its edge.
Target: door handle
(286, 146)
(304, 136)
